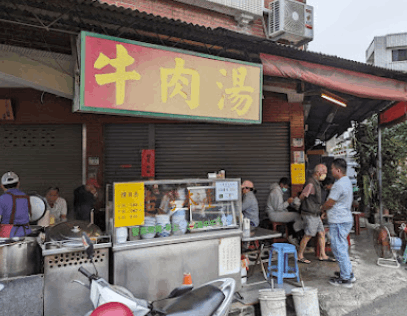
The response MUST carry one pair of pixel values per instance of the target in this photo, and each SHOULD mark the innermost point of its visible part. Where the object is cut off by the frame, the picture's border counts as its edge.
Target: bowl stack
(179, 223)
(163, 220)
(148, 222)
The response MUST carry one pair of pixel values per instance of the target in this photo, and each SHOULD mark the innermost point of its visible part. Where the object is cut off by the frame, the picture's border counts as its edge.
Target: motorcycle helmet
(112, 309)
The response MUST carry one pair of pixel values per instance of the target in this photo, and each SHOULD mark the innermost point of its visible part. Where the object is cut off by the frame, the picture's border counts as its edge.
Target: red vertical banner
(148, 163)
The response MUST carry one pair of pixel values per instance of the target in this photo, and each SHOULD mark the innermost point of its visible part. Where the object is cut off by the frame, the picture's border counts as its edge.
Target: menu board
(297, 173)
(229, 255)
(226, 191)
(128, 204)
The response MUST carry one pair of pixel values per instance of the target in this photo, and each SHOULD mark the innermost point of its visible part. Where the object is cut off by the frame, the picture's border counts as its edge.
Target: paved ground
(376, 287)
(373, 282)
(389, 305)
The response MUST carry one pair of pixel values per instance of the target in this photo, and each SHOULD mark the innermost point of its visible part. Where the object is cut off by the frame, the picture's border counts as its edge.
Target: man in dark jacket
(311, 198)
(84, 199)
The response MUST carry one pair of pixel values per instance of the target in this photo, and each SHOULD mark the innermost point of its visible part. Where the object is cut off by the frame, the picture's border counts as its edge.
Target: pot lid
(38, 208)
(72, 230)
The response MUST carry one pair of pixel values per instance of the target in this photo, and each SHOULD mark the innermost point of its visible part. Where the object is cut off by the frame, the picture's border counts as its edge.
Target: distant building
(388, 51)
(342, 147)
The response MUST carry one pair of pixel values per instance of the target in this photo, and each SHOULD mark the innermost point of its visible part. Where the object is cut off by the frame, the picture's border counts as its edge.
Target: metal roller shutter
(260, 153)
(43, 156)
(123, 145)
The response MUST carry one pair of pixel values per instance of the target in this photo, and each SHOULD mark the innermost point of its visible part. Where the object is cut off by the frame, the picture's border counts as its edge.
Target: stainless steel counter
(259, 233)
(150, 269)
(64, 249)
(61, 268)
(177, 239)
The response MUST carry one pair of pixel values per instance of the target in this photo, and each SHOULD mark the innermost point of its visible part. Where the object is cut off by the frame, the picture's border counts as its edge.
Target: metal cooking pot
(20, 258)
(71, 231)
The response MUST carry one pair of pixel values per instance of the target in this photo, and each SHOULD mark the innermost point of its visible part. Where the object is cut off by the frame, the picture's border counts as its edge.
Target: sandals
(329, 259)
(303, 260)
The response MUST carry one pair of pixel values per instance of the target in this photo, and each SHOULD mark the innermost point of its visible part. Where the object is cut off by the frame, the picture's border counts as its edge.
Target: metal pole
(379, 171)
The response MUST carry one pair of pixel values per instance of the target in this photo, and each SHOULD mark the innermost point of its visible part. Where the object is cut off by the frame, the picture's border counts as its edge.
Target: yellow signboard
(297, 173)
(128, 204)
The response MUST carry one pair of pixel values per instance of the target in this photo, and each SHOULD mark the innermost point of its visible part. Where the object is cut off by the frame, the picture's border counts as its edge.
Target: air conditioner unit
(292, 21)
(246, 10)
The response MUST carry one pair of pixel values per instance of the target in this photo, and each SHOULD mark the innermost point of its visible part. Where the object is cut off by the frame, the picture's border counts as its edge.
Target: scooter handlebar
(85, 272)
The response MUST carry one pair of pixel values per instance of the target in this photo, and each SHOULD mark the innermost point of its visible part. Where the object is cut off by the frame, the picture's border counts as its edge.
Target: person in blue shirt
(340, 220)
(15, 208)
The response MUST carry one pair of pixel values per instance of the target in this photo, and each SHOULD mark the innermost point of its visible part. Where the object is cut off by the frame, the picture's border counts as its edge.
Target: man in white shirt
(56, 205)
(338, 207)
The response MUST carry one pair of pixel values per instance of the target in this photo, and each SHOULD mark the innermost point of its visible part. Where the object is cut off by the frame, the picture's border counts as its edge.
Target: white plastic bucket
(306, 301)
(243, 275)
(272, 302)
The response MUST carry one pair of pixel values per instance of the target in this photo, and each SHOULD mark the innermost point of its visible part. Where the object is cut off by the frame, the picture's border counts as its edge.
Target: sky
(346, 28)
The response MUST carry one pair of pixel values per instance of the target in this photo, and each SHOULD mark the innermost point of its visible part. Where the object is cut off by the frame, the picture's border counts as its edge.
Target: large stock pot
(20, 258)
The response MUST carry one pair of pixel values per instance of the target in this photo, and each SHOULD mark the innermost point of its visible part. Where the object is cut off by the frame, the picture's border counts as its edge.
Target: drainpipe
(379, 171)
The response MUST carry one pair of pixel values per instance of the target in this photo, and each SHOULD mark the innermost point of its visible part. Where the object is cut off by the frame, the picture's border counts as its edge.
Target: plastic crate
(239, 309)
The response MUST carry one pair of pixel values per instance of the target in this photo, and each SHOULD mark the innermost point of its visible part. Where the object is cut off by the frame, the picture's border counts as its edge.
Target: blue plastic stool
(282, 269)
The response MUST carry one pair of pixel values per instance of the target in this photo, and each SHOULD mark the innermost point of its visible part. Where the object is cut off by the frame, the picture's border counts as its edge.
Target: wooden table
(260, 234)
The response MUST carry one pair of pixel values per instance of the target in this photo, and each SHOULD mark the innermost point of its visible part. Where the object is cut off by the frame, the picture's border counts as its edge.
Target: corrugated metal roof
(93, 15)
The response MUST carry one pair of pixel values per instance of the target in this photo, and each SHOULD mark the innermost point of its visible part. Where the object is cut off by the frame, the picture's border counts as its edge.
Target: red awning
(346, 81)
(396, 113)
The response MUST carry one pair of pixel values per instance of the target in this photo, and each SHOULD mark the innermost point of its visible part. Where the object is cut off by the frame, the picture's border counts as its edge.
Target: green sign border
(87, 109)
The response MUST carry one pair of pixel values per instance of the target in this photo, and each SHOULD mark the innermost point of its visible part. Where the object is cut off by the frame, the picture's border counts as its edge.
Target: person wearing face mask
(311, 198)
(276, 209)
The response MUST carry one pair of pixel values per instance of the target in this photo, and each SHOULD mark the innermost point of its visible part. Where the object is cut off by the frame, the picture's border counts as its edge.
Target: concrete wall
(381, 50)
(190, 14)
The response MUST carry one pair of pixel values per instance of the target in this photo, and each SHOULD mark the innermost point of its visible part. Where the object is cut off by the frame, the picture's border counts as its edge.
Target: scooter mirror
(89, 249)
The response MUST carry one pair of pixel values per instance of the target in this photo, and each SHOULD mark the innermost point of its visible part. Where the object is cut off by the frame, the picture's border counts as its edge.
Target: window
(399, 54)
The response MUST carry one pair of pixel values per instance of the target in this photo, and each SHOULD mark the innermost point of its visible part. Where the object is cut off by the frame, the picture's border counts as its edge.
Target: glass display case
(142, 211)
(166, 228)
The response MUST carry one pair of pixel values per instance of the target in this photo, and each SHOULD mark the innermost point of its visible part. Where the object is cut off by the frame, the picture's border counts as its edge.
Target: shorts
(312, 225)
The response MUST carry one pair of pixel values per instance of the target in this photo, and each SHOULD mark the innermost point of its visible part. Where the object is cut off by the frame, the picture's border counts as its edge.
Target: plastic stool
(274, 226)
(282, 269)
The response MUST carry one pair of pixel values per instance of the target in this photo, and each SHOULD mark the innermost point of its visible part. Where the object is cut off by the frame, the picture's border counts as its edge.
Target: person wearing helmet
(15, 208)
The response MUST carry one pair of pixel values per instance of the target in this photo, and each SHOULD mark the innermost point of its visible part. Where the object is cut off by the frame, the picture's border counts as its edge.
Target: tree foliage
(394, 165)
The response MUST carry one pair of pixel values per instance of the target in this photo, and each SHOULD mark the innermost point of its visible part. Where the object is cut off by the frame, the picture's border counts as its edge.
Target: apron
(5, 229)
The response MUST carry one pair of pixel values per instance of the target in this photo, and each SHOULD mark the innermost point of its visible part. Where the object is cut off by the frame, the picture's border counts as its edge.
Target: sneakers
(352, 276)
(341, 282)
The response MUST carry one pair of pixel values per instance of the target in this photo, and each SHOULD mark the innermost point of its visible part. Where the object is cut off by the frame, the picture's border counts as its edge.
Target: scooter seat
(203, 301)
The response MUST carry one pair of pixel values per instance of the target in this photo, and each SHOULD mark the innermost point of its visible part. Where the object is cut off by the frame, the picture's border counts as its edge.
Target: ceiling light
(333, 98)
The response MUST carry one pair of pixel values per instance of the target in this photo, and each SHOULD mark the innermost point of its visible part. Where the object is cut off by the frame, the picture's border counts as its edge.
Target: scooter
(210, 299)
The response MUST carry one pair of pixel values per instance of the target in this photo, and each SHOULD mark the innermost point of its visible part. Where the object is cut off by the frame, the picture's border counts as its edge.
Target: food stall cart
(63, 253)
(36, 271)
(20, 277)
(163, 229)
